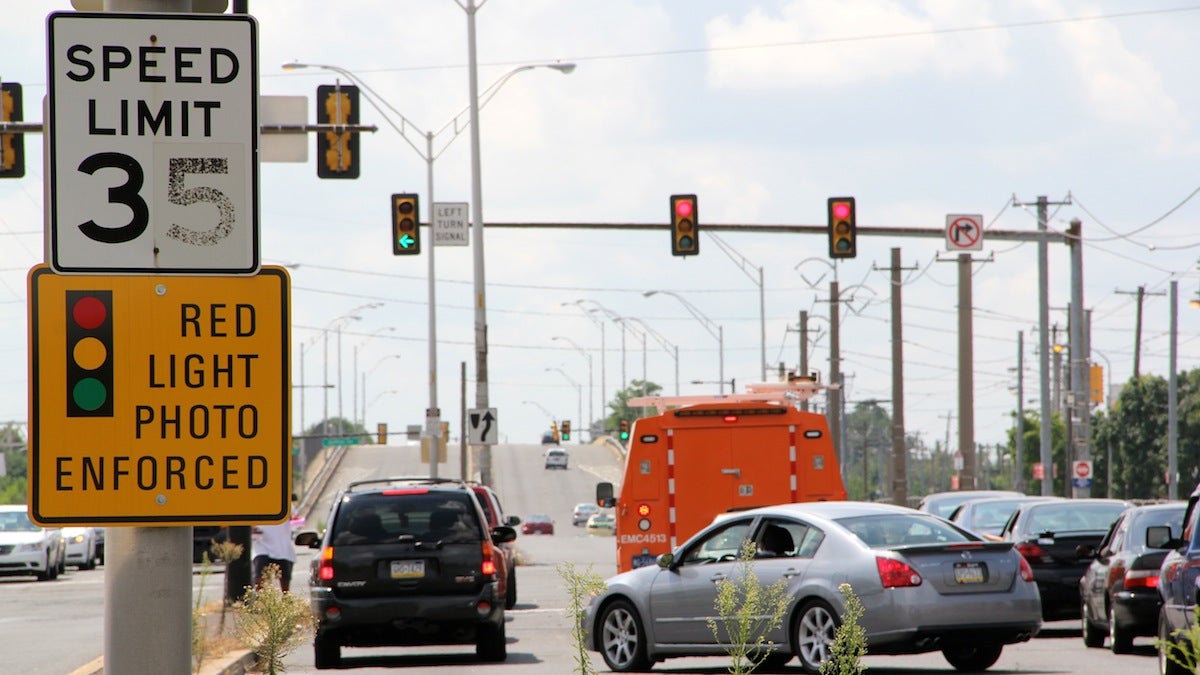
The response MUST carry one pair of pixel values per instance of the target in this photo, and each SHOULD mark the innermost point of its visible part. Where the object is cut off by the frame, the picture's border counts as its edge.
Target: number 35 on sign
(153, 143)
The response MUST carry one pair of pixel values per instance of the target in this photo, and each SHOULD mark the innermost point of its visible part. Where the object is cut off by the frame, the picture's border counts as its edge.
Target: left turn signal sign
(89, 353)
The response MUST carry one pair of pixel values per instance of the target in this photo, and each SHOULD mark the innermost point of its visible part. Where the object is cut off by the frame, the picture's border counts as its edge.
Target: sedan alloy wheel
(815, 630)
(622, 640)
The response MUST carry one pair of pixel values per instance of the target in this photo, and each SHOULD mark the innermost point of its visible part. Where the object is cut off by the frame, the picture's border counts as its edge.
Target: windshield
(887, 531)
(16, 521)
(1072, 517)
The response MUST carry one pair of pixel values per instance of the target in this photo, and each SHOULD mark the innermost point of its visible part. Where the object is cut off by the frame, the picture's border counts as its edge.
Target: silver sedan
(925, 585)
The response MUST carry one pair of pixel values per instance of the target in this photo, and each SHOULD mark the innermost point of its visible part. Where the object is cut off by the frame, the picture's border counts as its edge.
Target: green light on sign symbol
(406, 240)
(89, 394)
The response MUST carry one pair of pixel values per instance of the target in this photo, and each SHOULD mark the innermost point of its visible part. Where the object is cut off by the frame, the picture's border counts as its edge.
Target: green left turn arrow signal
(406, 241)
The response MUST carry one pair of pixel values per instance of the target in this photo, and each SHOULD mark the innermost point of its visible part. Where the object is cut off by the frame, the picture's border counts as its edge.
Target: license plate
(408, 569)
(644, 560)
(969, 573)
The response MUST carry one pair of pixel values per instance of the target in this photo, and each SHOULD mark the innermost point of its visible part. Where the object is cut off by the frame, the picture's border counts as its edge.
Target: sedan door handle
(791, 572)
(717, 577)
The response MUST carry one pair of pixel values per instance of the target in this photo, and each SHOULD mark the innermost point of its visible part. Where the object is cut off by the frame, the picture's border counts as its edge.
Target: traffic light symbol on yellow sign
(842, 227)
(685, 223)
(89, 354)
(12, 146)
(337, 151)
(406, 228)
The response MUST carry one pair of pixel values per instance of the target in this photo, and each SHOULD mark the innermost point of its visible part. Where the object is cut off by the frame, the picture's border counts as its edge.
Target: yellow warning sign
(159, 400)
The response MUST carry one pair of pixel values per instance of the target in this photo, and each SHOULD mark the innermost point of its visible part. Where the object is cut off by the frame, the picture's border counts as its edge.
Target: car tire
(1165, 665)
(815, 628)
(622, 640)
(327, 653)
(491, 644)
(510, 597)
(49, 572)
(1093, 637)
(973, 658)
(1120, 641)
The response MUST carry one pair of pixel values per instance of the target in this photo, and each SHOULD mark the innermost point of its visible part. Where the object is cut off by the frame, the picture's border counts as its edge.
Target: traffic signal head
(12, 146)
(624, 432)
(554, 431)
(685, 225)
(566, 430)
(337, 151)
(89, 354)
(406, 230)
(842, 227)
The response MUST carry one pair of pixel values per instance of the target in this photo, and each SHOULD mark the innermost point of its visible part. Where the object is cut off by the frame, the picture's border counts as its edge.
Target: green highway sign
(352, 440)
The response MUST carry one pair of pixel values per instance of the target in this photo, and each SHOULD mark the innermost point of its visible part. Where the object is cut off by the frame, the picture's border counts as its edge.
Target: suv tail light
(896, 573)
(325, 569)
(489, 562)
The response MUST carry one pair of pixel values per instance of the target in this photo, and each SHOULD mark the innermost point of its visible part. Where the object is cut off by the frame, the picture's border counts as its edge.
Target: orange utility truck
(705, 455)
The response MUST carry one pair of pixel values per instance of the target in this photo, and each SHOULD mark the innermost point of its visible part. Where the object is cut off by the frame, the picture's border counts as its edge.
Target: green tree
(14, 484)
(869, 456)
(620, 403)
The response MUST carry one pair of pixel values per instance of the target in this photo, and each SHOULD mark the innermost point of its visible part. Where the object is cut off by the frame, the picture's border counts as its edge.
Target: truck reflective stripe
(793, 459)
(671, 487)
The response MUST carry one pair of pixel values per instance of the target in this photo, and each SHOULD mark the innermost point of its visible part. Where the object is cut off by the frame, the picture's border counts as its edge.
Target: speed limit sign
(153, 133)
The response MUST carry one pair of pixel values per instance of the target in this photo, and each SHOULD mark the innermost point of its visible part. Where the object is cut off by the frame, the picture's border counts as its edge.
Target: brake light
(489, 563)
(1141, 579)
(1033, 553)
(406, 491)
(730, 418)
(896, 573)
(643, 510)
(1026, 570)
(325, 570)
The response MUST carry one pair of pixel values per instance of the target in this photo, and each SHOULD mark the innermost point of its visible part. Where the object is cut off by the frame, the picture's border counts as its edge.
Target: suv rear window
(376, 519)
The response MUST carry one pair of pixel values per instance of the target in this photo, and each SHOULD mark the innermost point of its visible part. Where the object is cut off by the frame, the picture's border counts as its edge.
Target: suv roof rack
(428, 480)
(791, 392)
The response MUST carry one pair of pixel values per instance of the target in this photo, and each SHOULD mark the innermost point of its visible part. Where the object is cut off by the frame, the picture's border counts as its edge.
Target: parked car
(943, 503)
(556, 458)
(1178, 585)
(538, 523)
(506, 563)
(1119, 590)
(406, 562)
(1051, 535)
(925, 584)
(28, 549)
(602, 523)
(986, 517)
(583, 511)
(81, 547)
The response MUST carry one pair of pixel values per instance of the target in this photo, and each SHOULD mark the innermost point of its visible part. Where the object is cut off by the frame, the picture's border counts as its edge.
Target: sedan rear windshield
(887, 531)
(1072, 516)
(379, 519)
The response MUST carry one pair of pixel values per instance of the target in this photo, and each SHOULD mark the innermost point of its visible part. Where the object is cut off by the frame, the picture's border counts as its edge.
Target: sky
(763, 109)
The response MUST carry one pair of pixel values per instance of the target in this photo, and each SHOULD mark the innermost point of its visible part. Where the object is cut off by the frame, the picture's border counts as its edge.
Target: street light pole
(671, 349)
(433, 412)
(591, 385)
(578, 389)
(603, 349)
(713, 329)
(746, 268)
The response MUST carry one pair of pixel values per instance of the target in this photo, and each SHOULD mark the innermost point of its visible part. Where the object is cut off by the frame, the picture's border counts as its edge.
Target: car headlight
(77, 539)
(34, 547)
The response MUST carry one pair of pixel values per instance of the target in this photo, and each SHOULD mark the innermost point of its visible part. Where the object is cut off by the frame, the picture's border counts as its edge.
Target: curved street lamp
(591, 398)
(713, 329)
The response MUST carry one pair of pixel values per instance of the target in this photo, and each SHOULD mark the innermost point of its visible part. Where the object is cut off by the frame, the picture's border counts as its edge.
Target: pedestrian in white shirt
(273, 545)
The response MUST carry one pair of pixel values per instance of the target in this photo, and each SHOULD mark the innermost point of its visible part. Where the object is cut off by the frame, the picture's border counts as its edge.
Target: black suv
(406, 561)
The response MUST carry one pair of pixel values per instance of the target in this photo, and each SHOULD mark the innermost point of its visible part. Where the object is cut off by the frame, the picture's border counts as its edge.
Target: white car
(27, 549)
(556, 458)
(82, 547)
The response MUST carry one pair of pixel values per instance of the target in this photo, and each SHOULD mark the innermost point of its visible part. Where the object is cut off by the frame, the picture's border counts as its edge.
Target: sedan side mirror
(309, 539)
(604, 495)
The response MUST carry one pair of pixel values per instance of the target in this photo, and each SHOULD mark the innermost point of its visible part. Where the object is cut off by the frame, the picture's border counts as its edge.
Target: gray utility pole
(834, 392)
(1137, 332)
(1079, 417)
(1044, 341)
(899, 449)
(803, 363)
(966, 373)
(1173, 400)
(1020, 478)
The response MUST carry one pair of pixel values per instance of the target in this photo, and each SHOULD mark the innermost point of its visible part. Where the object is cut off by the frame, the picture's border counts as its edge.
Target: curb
(230, 664)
